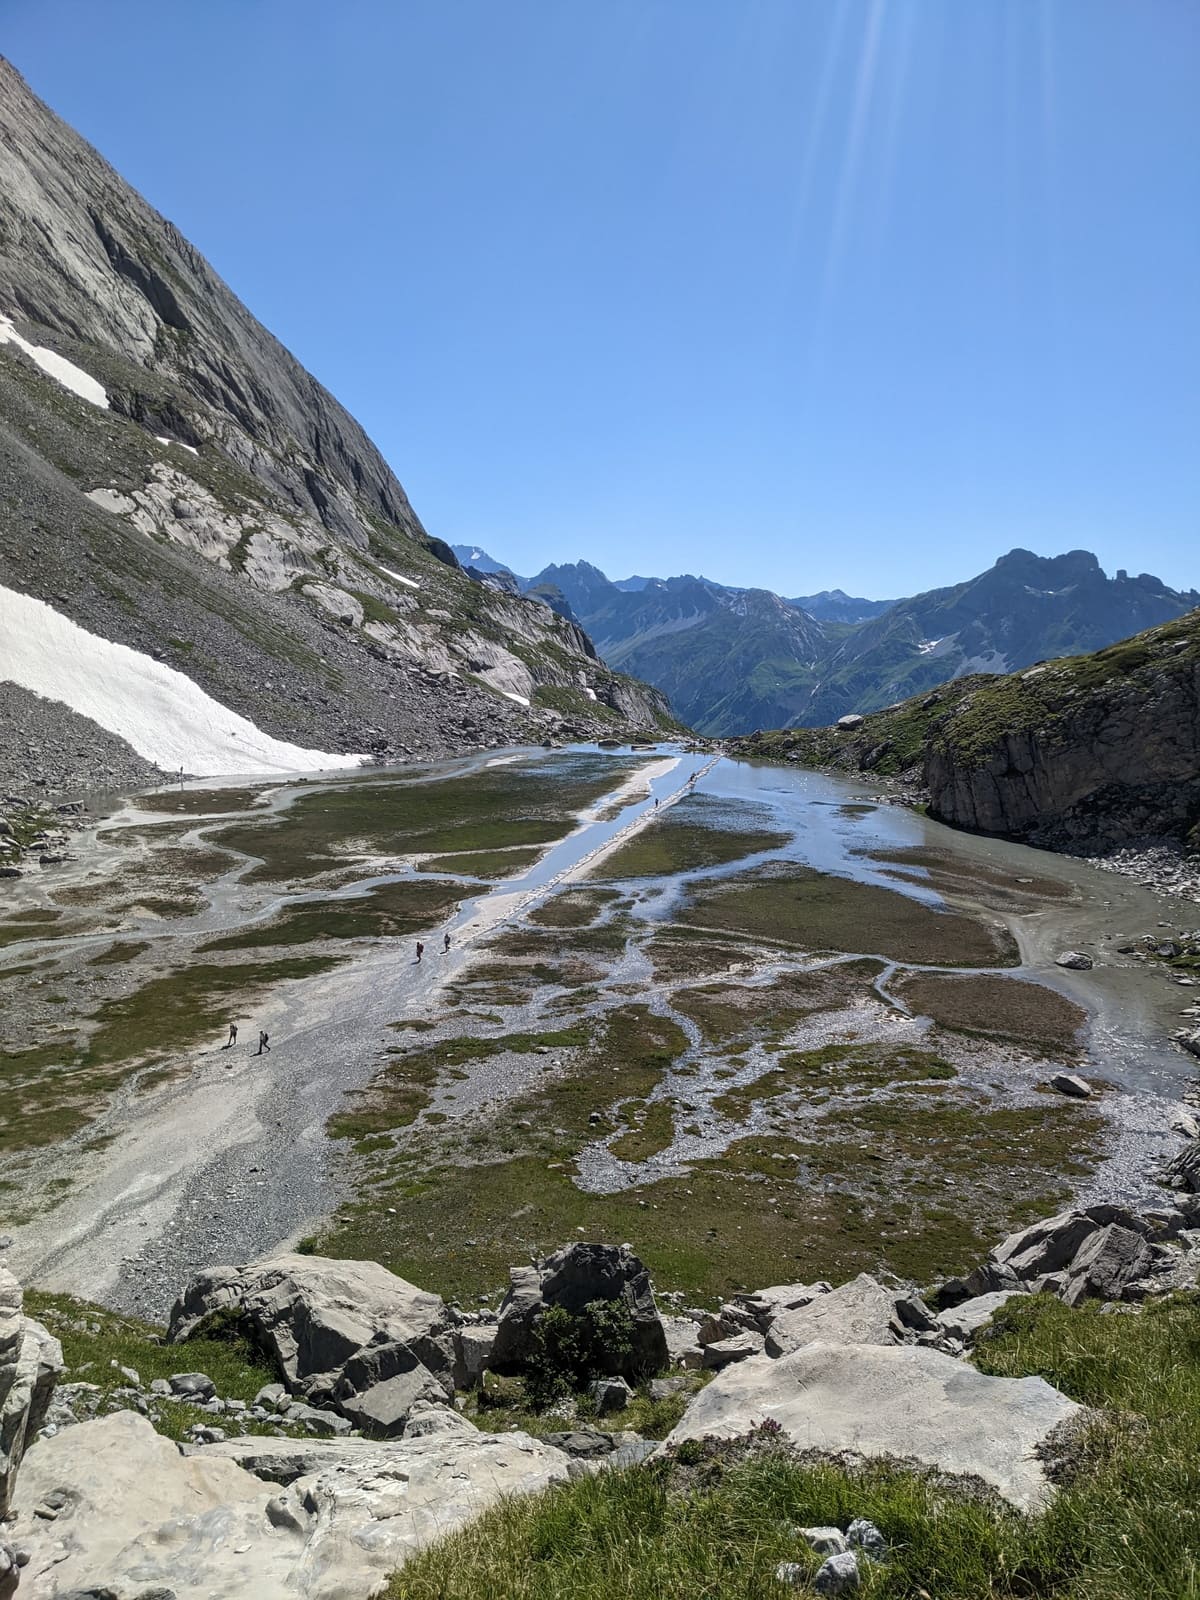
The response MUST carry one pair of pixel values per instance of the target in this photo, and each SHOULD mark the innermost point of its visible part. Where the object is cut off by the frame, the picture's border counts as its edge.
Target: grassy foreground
(1127, 1525)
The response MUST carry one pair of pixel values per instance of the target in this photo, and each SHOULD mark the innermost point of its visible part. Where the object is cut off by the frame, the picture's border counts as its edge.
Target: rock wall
(1122, 763)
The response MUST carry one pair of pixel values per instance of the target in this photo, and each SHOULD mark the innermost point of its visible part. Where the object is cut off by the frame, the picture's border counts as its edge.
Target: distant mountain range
(732, 659)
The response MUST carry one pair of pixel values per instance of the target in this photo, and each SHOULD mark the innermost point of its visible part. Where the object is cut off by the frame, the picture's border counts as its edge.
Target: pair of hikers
(264, 1039)
(421, 947)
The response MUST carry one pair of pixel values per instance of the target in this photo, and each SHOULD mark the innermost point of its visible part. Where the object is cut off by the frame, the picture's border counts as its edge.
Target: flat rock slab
(858, 1312)
(873, 1400)
(136, 1514)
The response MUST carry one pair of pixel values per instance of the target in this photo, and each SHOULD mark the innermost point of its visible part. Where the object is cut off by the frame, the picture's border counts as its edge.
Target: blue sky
(797, 293)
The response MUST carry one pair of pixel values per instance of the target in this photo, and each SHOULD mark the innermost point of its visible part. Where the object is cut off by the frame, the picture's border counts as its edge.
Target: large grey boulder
(899, 1401)
(1105, 1263)
(347, 1334)
(858, 1312)
(1045, 1246)
(573, 1278)
(30, 1361)
(135, 1515)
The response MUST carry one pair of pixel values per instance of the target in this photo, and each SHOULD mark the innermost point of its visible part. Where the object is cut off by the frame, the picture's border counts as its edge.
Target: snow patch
(162, 439)
(410, 583)
(591, 693)
(928, 646)
(522, 700)
(166, 717)
(57, 367)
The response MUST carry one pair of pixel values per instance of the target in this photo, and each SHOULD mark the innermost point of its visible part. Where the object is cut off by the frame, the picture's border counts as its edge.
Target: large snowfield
(166, 717)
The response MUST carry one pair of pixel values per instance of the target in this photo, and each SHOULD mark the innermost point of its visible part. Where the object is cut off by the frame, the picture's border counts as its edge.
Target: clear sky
(797, 293)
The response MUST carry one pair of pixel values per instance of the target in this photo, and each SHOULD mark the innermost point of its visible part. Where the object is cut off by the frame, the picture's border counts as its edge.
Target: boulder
(859, 1312)
(838, 1575)
(1104, 1263)
(573, 1278)
(337, 1330)
(137, 1515)
(875, 1401)
(1183, 1170)
(965, 1319)
(1070, 1083)
(1075, 960)
(30, 1361)
(1045, 1246)
(610, 1394)
(851, 720)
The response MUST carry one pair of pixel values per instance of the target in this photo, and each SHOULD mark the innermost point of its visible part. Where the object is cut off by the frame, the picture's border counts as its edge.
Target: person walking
(445, 943)
(232, 1039)
(264, 1042)
(420, 951)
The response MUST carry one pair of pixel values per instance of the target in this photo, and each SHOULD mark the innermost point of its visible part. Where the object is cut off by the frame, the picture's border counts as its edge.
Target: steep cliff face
(1084, 753)
(1094, 751)
(174, 481)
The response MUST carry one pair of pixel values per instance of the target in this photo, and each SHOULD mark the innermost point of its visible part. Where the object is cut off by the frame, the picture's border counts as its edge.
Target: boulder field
(865, 1369)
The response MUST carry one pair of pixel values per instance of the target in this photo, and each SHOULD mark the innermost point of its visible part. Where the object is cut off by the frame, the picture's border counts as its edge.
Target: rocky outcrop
(30, 1361)
(871, 1401)
(1087, 753)
(345, 1334)
(112, 1507)
(575, 1277)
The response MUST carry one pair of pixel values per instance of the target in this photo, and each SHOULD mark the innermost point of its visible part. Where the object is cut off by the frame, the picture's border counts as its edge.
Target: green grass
(698, 832)
(393, 911)
(716, 1520)
(817, 911)
(485, 810)
(1030, 1014)
(483, 863)
(94, 1337)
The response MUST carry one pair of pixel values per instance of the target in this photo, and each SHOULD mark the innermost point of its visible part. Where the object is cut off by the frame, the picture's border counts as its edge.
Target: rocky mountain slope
(176, 482)
(1025, 609)
(734, 659)
(1087, 753)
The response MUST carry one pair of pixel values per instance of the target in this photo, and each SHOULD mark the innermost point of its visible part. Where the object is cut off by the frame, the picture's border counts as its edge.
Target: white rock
(858, 1312)
(139, 1514)
(899, 1401)
(839, 1575)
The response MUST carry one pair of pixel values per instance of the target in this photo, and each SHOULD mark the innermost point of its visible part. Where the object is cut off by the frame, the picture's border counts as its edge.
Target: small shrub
(571, 1349)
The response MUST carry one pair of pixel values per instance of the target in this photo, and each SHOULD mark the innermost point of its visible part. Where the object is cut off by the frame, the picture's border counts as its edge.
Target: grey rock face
(137, 1514)
(1104, 1263)
(30, 1361)
(573, 1277)
(859, 1312)
(873, 1401)
(344, 1333)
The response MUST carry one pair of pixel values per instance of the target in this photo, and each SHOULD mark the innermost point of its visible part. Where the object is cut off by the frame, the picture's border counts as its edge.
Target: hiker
(232, 1039)
(656, 804)
(445, 943)
(420, 951)
(263, 1043)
